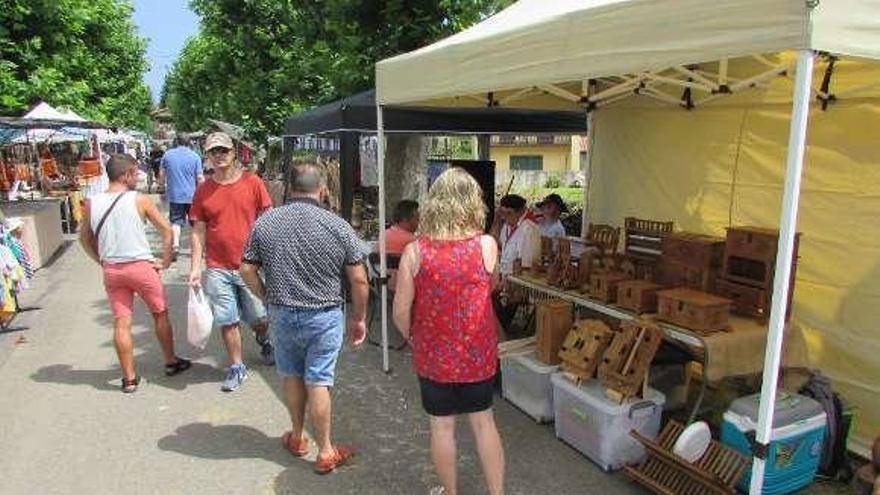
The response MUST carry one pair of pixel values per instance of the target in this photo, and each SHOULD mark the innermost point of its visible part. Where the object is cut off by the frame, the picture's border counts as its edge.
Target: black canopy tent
(350, 117)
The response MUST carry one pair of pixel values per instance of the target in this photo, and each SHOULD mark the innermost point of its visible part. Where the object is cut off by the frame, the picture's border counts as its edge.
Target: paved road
(66, 429)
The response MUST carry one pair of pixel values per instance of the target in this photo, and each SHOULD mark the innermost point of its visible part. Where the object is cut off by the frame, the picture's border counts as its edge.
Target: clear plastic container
(599, 428)
(525, 382)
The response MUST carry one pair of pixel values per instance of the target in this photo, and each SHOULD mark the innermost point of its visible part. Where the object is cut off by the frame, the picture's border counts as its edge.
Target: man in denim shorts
(303, 251)
(223, 212)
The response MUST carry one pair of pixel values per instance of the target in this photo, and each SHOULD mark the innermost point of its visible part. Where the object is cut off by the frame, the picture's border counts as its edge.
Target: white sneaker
(437, 490)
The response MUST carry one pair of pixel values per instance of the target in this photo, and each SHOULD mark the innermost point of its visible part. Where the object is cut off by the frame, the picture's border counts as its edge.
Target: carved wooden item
(693, 309)
(639, 296)
(691, 260)
(644, 245)
(553, 320)
(629, 356)
(584, 348)
(603, 285)
(750, 261)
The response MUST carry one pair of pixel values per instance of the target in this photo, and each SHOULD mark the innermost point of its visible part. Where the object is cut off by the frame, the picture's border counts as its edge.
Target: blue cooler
(795, 442)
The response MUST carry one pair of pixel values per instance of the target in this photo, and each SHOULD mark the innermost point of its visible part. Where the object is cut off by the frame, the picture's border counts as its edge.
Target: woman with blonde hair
(444, 305)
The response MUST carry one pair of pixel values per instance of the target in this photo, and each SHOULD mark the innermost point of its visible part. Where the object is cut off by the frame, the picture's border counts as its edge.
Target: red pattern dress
(453, 329)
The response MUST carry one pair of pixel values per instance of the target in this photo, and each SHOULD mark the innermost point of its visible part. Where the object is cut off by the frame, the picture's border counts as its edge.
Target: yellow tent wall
(723, 164)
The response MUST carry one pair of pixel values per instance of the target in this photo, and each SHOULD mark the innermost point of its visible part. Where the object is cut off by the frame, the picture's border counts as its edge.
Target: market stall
(342, 132)
(629, 50)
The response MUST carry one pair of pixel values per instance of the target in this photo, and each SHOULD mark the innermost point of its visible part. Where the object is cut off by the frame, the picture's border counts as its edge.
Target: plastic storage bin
(598, 427)
(525, 382)
(795, 443)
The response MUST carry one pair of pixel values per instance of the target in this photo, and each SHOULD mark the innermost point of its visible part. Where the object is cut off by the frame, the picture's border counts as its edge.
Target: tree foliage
(256, 62)
(81, 54)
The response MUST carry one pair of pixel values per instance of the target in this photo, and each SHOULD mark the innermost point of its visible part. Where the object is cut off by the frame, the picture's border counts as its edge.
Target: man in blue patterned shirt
(304, 251)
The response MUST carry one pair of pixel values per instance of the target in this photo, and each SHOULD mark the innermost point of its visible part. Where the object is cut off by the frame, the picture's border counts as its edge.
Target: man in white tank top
(113, 235)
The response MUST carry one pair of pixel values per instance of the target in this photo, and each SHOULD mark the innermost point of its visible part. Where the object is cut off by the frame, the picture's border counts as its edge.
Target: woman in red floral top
(444, 304)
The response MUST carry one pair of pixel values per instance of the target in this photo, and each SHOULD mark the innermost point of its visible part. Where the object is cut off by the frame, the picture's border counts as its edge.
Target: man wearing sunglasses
(224, 210)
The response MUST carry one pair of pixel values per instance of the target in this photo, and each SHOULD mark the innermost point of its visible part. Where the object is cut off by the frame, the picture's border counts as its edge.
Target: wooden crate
(553, 321)
(626, 362)
(746, 299)
(584, 348)
(638, 295)
(695, 310)
(603, 285)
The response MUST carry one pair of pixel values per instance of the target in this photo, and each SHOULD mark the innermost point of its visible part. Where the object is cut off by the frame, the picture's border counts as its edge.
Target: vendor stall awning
(358, 114)
(539, 42)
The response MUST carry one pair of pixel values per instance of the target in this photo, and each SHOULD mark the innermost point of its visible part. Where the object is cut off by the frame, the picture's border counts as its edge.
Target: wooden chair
(662, 472)
(605, 237)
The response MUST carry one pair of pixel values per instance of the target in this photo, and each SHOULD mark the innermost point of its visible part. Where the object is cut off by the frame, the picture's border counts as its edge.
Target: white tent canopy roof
(539, 42)
(46, 111)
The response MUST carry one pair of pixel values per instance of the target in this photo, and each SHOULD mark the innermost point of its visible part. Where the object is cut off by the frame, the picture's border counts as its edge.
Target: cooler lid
(789, 408)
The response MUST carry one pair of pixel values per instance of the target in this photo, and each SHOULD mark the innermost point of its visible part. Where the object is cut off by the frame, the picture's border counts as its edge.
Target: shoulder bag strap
(106, 214)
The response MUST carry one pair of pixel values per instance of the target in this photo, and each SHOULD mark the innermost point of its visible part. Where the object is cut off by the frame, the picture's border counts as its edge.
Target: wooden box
(638, 295)
(603, 285)
(553, 321)
(746, 299)
(697, 250)
(674, 274)
(754, 243)
(584, 348)
(750, 256)
(693, 309)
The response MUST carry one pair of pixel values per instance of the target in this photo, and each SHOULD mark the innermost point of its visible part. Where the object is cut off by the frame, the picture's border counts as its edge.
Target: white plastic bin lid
(531, 362)
(594, 393)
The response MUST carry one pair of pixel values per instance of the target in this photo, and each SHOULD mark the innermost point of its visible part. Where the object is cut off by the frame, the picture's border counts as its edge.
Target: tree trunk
(405, 169)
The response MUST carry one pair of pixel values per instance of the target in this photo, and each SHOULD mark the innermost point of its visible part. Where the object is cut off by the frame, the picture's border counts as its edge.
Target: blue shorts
(178, 213)
(307, 342)
(231, 300)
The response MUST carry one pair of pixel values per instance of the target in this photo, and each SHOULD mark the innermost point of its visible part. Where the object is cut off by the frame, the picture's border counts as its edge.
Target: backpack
(833, 462)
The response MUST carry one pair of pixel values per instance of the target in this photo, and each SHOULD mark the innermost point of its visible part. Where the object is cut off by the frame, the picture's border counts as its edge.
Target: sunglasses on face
(218, 151)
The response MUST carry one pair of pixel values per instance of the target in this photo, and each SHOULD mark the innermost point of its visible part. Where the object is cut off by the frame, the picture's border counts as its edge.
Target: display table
(42, 234)
(723, 354)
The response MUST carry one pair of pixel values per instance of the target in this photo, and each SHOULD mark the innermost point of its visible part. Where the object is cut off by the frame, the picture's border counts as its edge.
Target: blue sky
(166, 24)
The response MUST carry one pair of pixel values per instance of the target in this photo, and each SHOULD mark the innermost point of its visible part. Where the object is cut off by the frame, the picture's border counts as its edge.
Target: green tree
(256, 62)
(80, 54)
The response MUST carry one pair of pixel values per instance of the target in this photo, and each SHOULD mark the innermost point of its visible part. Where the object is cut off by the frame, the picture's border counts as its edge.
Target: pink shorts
(123, 280)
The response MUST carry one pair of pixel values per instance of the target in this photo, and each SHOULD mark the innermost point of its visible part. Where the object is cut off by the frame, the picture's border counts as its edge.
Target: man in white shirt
(552, 207)
(520, 236)
(520, 239)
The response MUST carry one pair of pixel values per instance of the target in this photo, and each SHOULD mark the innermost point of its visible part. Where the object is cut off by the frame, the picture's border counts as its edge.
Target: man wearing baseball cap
(224, 210)
(552, 207)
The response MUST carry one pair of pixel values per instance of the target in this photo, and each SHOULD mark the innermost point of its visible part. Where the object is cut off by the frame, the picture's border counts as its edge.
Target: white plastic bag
(200, 320)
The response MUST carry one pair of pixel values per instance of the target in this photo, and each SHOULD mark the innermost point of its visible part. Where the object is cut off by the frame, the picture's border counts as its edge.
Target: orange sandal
(342, 454)
(298, 448)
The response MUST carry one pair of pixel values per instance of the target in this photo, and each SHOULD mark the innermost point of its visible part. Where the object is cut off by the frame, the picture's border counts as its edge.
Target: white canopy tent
(596, 52)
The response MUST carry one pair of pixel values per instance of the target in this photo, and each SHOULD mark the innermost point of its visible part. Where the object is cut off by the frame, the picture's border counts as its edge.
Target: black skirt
(448, 399)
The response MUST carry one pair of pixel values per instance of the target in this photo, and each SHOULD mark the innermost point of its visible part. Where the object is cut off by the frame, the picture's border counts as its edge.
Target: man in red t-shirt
(223, 213)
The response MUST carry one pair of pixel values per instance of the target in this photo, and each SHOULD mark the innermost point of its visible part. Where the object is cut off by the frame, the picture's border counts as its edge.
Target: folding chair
(375, 308)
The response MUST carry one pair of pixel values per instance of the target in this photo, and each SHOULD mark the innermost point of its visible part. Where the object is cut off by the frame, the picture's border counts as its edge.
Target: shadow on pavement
(66, 374)
(224, 442)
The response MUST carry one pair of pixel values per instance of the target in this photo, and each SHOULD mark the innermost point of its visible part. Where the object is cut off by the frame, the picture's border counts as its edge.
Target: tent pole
(781, 282)
(383, 268)
(588, 172)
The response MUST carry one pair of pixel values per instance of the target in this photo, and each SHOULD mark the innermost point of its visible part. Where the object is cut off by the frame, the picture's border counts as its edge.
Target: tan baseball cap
(218, 140)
